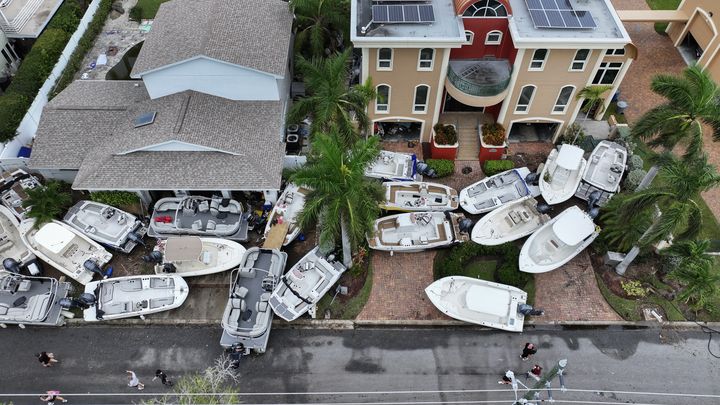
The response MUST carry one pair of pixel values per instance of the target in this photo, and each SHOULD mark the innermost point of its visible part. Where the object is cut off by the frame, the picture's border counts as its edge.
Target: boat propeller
(136, 238)
(84, 301)
(527, 309)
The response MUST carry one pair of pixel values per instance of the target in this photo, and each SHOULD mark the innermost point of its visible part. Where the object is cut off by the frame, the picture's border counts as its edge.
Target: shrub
(508, 273)
(442, 167)
(634, 288)
(445, 134)
(633, 179)
(497, 166)
(115, 198)
(67, 17)
(12, 109)
(135, 13)
(635, 162)
(454, 261)
(574, 134)
(493, 134)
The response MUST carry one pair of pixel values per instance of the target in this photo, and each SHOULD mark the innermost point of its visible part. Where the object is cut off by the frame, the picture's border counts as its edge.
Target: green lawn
(482, 269)
(350, 309)
(148, 8)
(662, 5)
(630, 310)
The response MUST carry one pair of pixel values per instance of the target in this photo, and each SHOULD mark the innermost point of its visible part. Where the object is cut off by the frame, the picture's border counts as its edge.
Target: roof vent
(144, 119)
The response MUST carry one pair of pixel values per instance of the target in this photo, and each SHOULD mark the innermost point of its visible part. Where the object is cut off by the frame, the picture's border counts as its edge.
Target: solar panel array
(403, 13)
(558, 14)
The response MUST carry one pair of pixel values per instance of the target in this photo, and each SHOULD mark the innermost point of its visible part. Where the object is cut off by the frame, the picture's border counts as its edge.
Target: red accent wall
(493, 110)
(480, 26)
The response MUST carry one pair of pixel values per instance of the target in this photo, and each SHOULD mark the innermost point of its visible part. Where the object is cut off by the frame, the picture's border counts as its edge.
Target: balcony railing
(480, 78)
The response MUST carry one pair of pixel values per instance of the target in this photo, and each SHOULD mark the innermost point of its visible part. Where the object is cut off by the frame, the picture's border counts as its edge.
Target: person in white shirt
(133, 381)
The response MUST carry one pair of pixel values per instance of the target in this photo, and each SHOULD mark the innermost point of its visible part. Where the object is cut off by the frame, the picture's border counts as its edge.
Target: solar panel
(564, 5)
(571, 20)
(549, 4)
(412, 14)
(402, 13)
(380, 14)
(558, 14)
(539, 19)
(426, 13)
(586, 19)
(534, 4)
(144, 119)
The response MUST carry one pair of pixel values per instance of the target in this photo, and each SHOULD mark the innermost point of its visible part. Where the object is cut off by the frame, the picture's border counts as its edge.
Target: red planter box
(448, 152)
(490, 152)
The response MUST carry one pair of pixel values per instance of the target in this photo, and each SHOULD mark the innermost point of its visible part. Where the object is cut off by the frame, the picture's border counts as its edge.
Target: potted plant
(444, 143)
(492, 142)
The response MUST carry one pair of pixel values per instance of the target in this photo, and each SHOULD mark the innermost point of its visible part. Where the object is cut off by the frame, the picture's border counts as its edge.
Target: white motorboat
(509, 222)
(27, 300)
(107, 225)
(190, 256)
(478, 301)
(248, 317)
(562, 173)
(393, 166)
(196, 215)
(13, 191)
(64, 248)
(606, 166)
(495, 191)
(304, 284)
(127, 297)
(11, 244)
(418, 231)
(558, 241)
(289, 205)
(418, 196)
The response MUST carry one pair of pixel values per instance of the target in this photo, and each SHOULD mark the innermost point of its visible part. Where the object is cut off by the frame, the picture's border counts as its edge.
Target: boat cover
(183, 249)
(569, 157)
(54, 237)
(487, 300)
(573, 226)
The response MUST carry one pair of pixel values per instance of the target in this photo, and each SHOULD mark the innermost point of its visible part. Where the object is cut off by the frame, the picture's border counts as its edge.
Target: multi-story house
(696, 33)
(9, 60)
(519, 62)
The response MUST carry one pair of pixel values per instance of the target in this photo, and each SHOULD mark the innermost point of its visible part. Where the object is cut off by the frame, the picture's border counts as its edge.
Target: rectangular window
(425, 61)
(619, 51)
(421, 97)
(581, 57)
(607, 73)
(384, 61)
(563, 99)
(538, 59)
(526, 95)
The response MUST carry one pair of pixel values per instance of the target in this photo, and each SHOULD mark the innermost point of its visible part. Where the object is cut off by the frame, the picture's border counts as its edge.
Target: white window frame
(424, 106)
(542, 63)
(469, 37)
(605, 69)
(576, 60)
(557, 99)
(525, 107)
(615, 52)
(495, 42)
(420, 66)
(387, 102)
(379, 61)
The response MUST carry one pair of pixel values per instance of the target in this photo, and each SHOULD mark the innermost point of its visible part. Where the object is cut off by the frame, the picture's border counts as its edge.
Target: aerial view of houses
(421, 199)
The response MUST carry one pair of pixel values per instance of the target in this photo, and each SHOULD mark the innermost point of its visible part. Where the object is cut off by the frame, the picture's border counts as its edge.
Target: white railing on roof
(17, 23)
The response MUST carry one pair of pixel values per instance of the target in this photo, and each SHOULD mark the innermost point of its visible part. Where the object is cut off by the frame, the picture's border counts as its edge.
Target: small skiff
(418, 231)
(509, 222)
(287, 208)
(393, 166)
(606, 166)
(418, 196)
(562, 173)
(495, 191)
(190, 256)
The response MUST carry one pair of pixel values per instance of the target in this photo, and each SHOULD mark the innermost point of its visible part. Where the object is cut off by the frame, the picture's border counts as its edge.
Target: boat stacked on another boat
(248, 317)
(562, 173)
(418, 196)
(304, 284)
(190, 256)
(13, 191)
(196, 215)
(393, 166)
(27, 300)
(11, 244)
(558, 241)
(64, 248)
(478, 301)
(286, 210)
(495, 191)
(126, 297)
(107, 225)
(418, 231)
(604, 171)
(509, 222)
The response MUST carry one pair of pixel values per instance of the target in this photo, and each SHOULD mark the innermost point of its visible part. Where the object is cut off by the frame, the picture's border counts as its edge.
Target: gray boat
(13, 191)
(27, 300)
(248, 317)
(107, 225)
(201, 216)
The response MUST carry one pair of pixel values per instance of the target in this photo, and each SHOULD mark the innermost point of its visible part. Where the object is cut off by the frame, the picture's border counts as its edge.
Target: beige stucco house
(697, 36)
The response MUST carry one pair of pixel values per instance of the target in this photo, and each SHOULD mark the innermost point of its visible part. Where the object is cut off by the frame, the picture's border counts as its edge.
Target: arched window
(563, 99)
(421, 98)
(493, 38)
(382, 102)
(469, 36)
(526, 96)
(486, 8)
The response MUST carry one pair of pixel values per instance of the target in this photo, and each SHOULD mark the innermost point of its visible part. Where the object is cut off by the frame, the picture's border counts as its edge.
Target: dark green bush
(453, 262)
(136, 13)
(115, 198)
(12, 109)
(442, 167)
(497, 166)
(67, 17)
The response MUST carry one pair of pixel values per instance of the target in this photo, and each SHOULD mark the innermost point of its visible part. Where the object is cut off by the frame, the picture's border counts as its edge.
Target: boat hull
(288, 210)
(86, 217)
(560, 188)
(415, 232)
(225, 253)
(508, 223)
(412, 196)
(11, 244)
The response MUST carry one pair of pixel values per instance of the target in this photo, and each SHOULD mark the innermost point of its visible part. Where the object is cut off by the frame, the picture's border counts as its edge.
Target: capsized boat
(190, 256)
(495, 191)
(64, 248)
(248, 317)
(11, 244)
(393, 166)
(558, 241)
(509, 222)
(196, 215)
(13, 191)
(28, 300)
(418, 231)
(107, 225)
(289, 205)
(418, 196)
(562, 173)
(304, 284)
(126, 297)
(478, 301)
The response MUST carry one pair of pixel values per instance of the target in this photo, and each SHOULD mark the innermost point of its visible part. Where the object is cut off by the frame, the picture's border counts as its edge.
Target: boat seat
(509, 221)
(162, 282)
(206, 257)
(485, 204)
(515, 217)
(210, 226)
(204, 206)
(423, 240)
(405, 242)
(197, 225)
(214, 207)
(5, 245)
(265, 297)
(240, 292)
(261, 306)
(289, 198)
(247, 273)
(161, 302)
(129, 285)
(477, 190)
(25, 285)
(506, 197)
(595, 158)
(188, 210)
(263, 318)
(3, 309)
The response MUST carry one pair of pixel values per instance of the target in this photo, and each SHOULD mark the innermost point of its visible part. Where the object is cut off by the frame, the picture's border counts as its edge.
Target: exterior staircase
(467, 126)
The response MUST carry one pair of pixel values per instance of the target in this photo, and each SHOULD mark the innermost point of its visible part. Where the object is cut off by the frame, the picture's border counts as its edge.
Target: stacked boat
(286, 210)
(416, 196)
(509, 222)
(190, 256)
(562, 173)
(605, 169)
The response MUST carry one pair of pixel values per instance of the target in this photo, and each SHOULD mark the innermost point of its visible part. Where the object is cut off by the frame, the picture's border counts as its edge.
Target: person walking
(528, 351)
(46, 359)
(51, 397)
(163, 378)
(133, 381)
(535, 372)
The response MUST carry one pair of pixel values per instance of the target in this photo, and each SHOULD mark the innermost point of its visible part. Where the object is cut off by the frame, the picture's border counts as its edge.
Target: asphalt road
(369, 365)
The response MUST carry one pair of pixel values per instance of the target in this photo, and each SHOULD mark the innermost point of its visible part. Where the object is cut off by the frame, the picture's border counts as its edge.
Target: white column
(226, 193)
(511, 90)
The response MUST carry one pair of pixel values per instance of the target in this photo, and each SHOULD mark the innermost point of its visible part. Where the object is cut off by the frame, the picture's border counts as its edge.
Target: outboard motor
(465, 225)
(84, 301)
(543, 208)
(11, 265)
(526, 309)
(90, 265)
(235, 353)
(594, 212)
(153, 257)
(532, 179)
(593, 199)
(169, 268)
(425, 169)
(136, 238)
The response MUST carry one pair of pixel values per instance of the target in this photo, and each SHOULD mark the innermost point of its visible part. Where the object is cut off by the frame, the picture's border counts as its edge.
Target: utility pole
(533, 393)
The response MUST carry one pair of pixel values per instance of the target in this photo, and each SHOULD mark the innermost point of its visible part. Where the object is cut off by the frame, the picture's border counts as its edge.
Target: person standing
(535, 372)
(528, 351)
(51, 397)
(163, 378)
(46, 359)
(133, 381)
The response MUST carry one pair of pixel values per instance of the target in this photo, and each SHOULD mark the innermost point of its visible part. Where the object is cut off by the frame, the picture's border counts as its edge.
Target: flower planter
(448, 152)
(490, 152)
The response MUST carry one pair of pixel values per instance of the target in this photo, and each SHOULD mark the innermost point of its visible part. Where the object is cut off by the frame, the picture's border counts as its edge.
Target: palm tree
(343, 199)
(700, 283)
(674, 198)
(318, 23)
(689, 252)
(47, 203)
(622, 233)
(594, 95)
(331, 104)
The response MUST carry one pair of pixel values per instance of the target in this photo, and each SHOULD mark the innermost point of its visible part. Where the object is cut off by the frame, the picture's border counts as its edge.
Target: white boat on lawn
(478, 301)
(606, 166)
(304, 284)
(562, 173)
(126, 297)
(495, 191)
(509, 222)
(417, 231)
(64, 248)
(189, 256)
(107, 225)
(11, 244)
(287, 208)
(558, 241)
(393, 166)
(27, 300)
(418, 196)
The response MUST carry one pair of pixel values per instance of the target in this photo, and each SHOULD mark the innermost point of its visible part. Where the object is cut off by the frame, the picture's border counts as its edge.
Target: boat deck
(606, 166)
(413, 195)
(415, 229)
(497, 190)
(136, 294)
(225, 224)
(111, 231)
(30, 300)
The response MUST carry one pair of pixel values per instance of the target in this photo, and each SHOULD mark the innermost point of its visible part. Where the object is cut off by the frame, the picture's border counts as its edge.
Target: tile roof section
(241, 32)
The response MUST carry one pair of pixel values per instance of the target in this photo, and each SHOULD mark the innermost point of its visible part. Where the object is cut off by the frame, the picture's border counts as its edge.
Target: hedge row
(115, 198)
(36, 68)
(442, 167)
(453, 263)
(492, 167)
